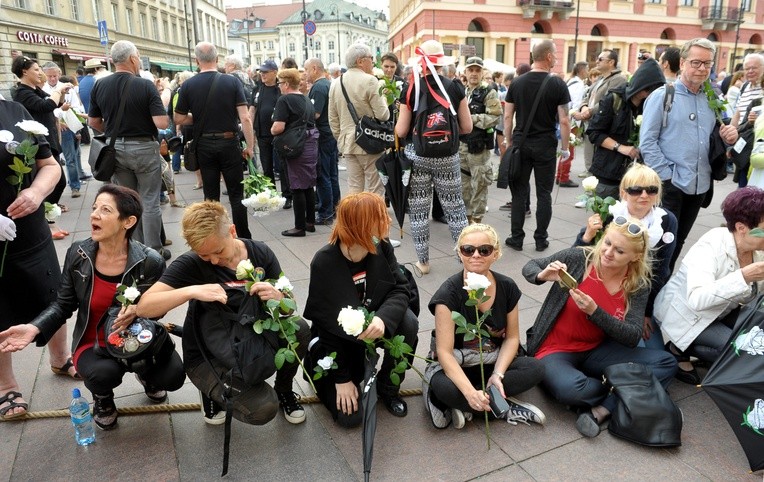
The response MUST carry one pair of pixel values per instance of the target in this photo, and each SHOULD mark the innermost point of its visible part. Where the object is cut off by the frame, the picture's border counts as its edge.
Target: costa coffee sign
(36, 38)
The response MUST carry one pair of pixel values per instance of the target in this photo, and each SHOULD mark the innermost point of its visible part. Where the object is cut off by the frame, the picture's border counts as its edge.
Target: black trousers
(267, 159)
(538, 156)
(686, 208)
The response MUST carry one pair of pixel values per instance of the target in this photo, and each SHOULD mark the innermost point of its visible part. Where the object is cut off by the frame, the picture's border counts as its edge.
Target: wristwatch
(616, 146)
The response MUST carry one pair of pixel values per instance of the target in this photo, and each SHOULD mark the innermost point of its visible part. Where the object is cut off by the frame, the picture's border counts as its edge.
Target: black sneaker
(293, 411)
(156, 396)
(105, 412)
(516, 245)
(212, 411)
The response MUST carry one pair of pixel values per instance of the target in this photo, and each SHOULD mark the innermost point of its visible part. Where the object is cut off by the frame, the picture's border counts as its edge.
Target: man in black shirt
(139, 165)
(216, 130)
(538, 150)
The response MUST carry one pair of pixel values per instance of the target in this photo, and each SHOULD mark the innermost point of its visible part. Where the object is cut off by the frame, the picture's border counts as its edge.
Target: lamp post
(741, 10)
(249, 15)
(336, 11)
(304, 33)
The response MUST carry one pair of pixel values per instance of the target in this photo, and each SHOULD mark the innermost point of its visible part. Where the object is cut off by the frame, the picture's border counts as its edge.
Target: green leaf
(395, 379)
(279, 358)
(469, 336)
(289, 355)
(272, 305)
(471, 302)
(458, 318)
(288, 304)
(401, 366)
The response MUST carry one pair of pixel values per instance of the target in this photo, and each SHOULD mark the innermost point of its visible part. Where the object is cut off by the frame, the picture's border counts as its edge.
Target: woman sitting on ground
(698, 307)
(641, 190)
(93, 269)
(455, 391)
(579, 332)
(356, 269)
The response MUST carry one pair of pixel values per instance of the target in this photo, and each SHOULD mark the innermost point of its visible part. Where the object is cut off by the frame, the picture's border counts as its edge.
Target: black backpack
(436, 128)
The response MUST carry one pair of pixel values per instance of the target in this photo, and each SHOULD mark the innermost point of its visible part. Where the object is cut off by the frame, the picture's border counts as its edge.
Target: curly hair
(202, 220)
(361, 217)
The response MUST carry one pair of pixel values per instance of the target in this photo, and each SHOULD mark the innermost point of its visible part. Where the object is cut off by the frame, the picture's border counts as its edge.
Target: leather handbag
(371, 135)
(291, 143)
(644, 413)
(103, 156)
(189, 156)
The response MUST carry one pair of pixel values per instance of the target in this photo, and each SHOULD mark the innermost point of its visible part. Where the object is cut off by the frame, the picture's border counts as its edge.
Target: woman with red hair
(357, 269)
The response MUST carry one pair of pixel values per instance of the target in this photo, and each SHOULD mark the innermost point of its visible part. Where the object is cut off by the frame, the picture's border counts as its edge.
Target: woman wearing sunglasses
(698, 307)
(454, 391)
(597, 322)
(640, 192)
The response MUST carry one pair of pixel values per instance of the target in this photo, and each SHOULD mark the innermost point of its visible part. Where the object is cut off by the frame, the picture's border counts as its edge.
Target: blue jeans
(327, 183)
(576, 378)
(71, 150)
(139, 167)
(223, 156)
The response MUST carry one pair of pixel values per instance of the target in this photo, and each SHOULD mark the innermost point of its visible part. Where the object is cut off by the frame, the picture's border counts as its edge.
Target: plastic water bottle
(84, 428)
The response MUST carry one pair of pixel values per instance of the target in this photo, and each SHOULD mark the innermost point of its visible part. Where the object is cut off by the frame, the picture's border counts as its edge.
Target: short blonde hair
(642, 175)
(493, 236)
(290, 76)
(202, 220)
(361, 216)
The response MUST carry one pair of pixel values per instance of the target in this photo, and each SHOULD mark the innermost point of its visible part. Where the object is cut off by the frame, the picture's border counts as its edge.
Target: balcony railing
(546, 8)
(720, 18)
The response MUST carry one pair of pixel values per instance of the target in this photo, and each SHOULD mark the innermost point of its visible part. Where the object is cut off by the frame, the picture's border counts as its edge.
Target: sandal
(64, 208)
(197, 187)
(58, 235)
(178, 204)
(10, 397)
(64, 370)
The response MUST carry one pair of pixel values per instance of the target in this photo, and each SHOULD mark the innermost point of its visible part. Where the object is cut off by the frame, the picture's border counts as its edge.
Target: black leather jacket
(144, 265)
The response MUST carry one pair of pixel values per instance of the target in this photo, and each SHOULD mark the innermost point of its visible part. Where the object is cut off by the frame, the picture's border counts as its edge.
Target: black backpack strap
(529, 120)
(668, 101)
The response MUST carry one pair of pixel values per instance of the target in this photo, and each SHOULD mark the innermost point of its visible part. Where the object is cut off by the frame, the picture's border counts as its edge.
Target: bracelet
(500, 375)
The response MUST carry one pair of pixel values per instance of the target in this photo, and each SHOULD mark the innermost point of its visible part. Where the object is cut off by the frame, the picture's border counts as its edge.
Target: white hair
(122, 50)
(355, 52)
(236, 61)
(333, 68)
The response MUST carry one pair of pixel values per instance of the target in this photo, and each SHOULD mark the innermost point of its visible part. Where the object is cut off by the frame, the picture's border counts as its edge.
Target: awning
(78, 55)
(170, 66)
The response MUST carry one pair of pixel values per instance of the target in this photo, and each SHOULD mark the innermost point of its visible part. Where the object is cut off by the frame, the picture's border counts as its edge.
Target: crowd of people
(614, 295)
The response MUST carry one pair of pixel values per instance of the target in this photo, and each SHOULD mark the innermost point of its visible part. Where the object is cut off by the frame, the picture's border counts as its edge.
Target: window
(257, 45)
(98, 12)
(317, 45)
(746, 4)
(115, 17)
(653, 1)
(75, 6)
(142, 24)
(155, 27)
(174, 31)
(129, 20)
(270, 45)
(330, 44)
(500, 53)
(50, 7)
(20, 3)
(258, 60)
(331, 57)
(291, 46)
(687, 3)
(166, 30)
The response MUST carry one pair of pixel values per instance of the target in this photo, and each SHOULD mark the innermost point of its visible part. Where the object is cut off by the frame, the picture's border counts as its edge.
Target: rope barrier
(167, 407)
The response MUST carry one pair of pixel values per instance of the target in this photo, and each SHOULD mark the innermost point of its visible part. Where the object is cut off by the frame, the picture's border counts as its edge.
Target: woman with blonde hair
(453, 391)
(593, 318)
(358, 269)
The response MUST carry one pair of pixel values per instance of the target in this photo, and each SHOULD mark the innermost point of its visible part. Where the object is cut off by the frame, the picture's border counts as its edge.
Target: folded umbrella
(395, 172)
(369, 404)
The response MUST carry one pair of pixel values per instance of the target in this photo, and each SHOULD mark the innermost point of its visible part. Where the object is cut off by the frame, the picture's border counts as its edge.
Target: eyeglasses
(602, 59)
(696, 64)
(483, 250)
(633, 228)
(637, 190)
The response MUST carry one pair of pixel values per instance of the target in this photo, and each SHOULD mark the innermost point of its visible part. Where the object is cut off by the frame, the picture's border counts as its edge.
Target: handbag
(291, 143)
(509, 166)
(190, 161)
(103, 156)
(371, 135)
(644, 413)
(141, 346)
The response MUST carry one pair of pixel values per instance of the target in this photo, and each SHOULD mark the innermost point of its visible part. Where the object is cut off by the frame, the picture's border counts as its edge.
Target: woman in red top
(581, 331)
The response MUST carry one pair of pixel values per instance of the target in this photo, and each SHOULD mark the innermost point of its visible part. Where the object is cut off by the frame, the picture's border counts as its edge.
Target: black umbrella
(395, 171)
(735, 382)
(369, 406)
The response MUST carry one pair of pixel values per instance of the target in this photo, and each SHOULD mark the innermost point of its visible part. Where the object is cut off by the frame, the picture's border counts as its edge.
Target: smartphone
(567, 281)
(499, 405)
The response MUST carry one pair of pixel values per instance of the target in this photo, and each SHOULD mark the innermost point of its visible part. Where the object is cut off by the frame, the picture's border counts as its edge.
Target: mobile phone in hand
(567, 280)
(499, 405)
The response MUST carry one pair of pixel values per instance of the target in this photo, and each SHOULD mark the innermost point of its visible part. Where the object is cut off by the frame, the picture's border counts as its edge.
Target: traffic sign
(309, 27)
(102, 32)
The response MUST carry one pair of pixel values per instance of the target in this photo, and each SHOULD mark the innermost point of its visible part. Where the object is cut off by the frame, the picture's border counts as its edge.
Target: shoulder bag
(190, 162)
(509, 166)
(644, 414)
(290, 143)
(371, 135)
(103, 156)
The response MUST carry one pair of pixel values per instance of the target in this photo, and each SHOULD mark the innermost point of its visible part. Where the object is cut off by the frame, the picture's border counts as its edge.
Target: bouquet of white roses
(260, 195)
(52, 211)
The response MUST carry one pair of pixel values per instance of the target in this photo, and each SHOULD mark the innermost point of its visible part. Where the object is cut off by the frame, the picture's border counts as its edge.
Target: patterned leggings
(442, 174)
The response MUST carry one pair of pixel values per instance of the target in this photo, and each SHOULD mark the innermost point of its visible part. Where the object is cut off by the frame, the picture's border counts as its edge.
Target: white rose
(32, 127)
(398, 84)
(6, 136)
(590, 183)
(638, 120)
(131, 294)
(247, 202)
(283, 284)
(276, 203)
(351, 320)
(52, 211)
(378, 72)
(244, 269)
(11, 146)
(262, 198)
(476, 281)
(573, 138)
(326, 362)
(381, 83)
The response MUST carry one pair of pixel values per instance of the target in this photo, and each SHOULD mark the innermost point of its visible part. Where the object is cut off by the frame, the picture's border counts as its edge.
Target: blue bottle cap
(76, 393)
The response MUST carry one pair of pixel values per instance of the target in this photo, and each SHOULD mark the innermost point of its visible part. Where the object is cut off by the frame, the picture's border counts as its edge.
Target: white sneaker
(211, 411)
(524, 412)
(458, 418)
(395, 243)
(580, 204)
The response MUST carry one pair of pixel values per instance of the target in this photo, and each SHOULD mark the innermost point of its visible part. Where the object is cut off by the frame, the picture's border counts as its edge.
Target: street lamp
(249, 15)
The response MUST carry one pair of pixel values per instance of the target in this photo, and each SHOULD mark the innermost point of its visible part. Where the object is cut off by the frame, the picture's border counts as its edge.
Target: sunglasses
(637, 190)
(633, 228)
(483, 250)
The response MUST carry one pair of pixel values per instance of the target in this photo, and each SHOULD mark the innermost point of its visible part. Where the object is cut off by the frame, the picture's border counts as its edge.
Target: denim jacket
(144, 266)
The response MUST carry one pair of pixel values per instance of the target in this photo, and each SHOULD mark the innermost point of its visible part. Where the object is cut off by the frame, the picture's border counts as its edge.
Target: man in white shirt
(753, 65)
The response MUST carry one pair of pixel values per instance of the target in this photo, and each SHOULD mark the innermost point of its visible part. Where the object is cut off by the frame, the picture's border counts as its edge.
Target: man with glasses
(678, 148)
(610, 78)
(753, 65)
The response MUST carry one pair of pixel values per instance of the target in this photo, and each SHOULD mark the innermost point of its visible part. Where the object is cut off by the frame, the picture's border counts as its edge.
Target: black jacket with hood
(615, 119)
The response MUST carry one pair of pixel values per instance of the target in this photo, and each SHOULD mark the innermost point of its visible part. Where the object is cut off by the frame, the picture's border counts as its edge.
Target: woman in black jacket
(93, 269)
(356, 270)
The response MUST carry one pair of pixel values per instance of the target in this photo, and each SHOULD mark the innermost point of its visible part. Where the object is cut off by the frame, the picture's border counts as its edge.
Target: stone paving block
(514, 473)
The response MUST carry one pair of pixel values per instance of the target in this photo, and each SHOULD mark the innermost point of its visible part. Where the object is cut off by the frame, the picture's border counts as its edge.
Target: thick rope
(167, 407)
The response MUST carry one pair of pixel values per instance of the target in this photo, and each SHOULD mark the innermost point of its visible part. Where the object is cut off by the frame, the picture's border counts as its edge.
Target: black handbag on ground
(103, 156)
(644, 414)
(371, 135)
(509, 166)
(290, 143)
(141, 346)
(190, 161)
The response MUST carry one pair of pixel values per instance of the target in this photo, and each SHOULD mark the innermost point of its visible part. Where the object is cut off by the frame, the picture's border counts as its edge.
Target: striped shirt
(750, 93)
